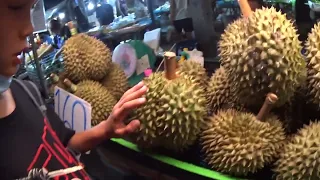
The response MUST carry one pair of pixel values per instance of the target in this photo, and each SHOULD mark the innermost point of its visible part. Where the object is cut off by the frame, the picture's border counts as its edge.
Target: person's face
(15, 27)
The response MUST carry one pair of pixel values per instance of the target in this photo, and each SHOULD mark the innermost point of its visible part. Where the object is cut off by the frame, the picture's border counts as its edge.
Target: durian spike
(54, 77)
(245, 8)
(70, 85)
(72, 27)
(170, 65)
(270, 100)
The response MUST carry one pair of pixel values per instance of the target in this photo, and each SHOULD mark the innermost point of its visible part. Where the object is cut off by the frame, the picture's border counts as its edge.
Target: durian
(198, 75)
(86, 58)
(150, 128)
(313, 64)
(232, 40)
(239, 143)
(100, 99)
(195, 71)
(300, 159)
(175, 112)
(221, 94)
(57, 81)
(116, 81)
(265, 58)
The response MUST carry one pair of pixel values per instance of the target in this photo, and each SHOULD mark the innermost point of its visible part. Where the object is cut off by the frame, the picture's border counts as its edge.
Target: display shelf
(185, 166)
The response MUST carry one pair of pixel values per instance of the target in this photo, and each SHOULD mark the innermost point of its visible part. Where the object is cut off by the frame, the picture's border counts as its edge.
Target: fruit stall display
(258, 111)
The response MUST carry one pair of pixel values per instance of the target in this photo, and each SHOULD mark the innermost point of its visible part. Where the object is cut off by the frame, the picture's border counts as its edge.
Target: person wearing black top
(29, 137)
(104, 14)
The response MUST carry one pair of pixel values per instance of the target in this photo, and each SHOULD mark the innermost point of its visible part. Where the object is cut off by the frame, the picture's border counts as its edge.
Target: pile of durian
(258, 110)
(90, 74)
(264, 71)
(255, 112)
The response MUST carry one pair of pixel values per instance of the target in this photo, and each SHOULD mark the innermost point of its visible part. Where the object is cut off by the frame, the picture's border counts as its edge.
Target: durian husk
(116, 81)
(300, 158)
(239, 144)
(185, 112)
(86, 58)
(59, 83)
(221, 94)
(232, 40)
(313, 65)
(197, 73)
(101, 100)
(266, 57)
(150, 131)
(174, 115)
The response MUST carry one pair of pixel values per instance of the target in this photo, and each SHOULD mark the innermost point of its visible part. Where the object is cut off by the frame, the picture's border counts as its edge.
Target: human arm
(114, 126)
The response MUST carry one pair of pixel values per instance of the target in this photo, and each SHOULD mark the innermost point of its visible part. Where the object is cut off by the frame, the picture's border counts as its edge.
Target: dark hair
(54, 25)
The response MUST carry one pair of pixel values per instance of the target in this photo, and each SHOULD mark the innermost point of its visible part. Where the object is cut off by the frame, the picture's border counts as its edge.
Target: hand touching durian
(175, 111)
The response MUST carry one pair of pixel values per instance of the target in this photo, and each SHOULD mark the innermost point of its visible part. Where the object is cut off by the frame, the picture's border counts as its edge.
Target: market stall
(255, 117)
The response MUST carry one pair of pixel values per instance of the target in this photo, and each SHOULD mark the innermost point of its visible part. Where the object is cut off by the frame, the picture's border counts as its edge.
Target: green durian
(86, 58)
(300, 158)
(221, 94)
(239, 144)
(150, 128)
(313, 64)
(265, 58)
(195, 71)
(100, 99)
(174, 115)
(232, 40)
(116, 81)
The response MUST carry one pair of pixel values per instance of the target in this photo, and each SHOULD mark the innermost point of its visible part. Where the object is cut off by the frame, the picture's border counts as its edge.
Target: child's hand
(130, 100)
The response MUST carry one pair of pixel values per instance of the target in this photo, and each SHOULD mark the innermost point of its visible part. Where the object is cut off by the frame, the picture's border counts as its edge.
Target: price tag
(73, 111)
(142, 64)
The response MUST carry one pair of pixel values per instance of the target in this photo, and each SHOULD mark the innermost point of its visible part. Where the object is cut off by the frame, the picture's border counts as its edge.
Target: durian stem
(54, 78)
(73, 28)
(270, 100)
(170, 65)
(70, 85)
(245, 8)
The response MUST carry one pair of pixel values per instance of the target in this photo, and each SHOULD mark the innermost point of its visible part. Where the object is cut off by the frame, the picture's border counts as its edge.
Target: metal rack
(35, 69)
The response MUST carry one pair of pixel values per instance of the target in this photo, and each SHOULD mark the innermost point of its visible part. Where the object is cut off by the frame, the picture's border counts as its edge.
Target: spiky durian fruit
(313, 64)
(221, 94)
(300, 159)
(231, 40)
(198, 75)
(101, 100)
(266, 59)
(195, 71)
(150, 131)
(238, 144)
(174, 114)
(116, 81)
(86, 58)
